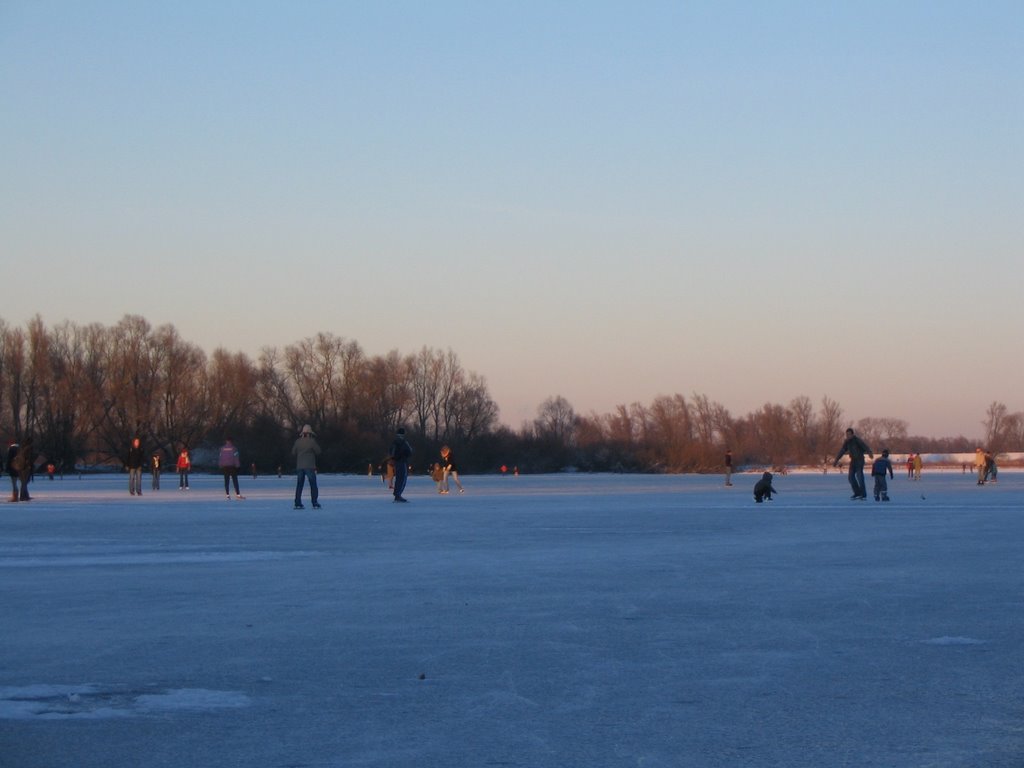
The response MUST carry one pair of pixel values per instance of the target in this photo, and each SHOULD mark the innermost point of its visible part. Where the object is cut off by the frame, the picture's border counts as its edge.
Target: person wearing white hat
(305, 451)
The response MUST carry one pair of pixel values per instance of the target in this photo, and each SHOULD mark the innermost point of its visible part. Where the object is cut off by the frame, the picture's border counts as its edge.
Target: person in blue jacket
(881, 466)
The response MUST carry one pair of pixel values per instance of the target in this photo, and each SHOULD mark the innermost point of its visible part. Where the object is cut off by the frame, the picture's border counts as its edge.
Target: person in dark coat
(856, 448)
(12, 453)
(24, 463)
(400, 452)
(134, 465)
(763, 488)
(305, 450)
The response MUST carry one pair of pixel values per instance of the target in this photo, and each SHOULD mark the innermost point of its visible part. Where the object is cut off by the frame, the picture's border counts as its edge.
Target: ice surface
(534, 621)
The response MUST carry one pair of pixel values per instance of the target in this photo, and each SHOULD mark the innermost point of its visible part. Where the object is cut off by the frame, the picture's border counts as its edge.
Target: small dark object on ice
(423, 676)
(922, 495)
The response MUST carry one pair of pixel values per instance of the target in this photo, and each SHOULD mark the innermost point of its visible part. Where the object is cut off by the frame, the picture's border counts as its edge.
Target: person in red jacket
(184, 466)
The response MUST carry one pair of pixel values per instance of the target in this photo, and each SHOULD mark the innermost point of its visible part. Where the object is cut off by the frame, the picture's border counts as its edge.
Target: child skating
(879, 468)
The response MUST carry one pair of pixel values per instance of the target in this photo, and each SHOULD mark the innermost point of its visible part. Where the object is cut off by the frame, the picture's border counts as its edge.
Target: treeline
(82, 392)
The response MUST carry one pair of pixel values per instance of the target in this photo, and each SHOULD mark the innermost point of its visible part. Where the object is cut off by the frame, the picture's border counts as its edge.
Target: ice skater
(184, 465)
(229, 462)
(134, 465)
(763, 488)
(12, 470)
(24, 465)
(155, 469)
(991, 470)
(305, 450)
(449, 469)
(979, 465)
(399, 453)
(856, 448)
(879, 468)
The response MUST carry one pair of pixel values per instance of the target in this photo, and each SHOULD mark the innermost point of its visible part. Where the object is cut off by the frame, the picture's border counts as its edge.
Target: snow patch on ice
(144, 558)
(947, 640)
(192, 699)
(97, 702)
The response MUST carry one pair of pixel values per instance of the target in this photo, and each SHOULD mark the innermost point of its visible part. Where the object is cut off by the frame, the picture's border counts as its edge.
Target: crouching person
(763, 488)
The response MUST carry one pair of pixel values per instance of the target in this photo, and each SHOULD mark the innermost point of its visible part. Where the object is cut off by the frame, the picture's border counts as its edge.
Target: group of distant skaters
(881, 470)
(985, 466)
(135, 461)
(394, 469)
(305, 450)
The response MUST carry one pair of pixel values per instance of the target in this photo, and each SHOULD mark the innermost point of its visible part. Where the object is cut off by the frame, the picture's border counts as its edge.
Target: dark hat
(401, 430)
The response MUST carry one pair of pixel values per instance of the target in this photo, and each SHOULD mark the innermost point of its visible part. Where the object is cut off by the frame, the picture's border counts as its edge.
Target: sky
(609, 202)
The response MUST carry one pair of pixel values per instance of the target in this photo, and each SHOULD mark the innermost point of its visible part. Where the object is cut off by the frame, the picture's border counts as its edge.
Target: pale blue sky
(607, 201)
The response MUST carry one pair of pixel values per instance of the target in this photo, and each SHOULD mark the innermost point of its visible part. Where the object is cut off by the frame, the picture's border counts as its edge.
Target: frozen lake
(555, 621)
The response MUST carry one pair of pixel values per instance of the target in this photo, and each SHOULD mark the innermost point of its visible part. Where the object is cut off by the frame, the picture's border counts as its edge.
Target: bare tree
(131, 396)
(1013, 432)
(183, 409)
(619, 427)
(995, 426)
(66, 404)
(556, 420)
(234, 383)
(276, 392)
(705, 424)
(669, 438)
(830, 425)
(322, 375)
(804, 427)
(471, 413)
(425, 384)
(386, 393)
(14, 354)
(774, 433)
(451, 381)
(879, 432)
